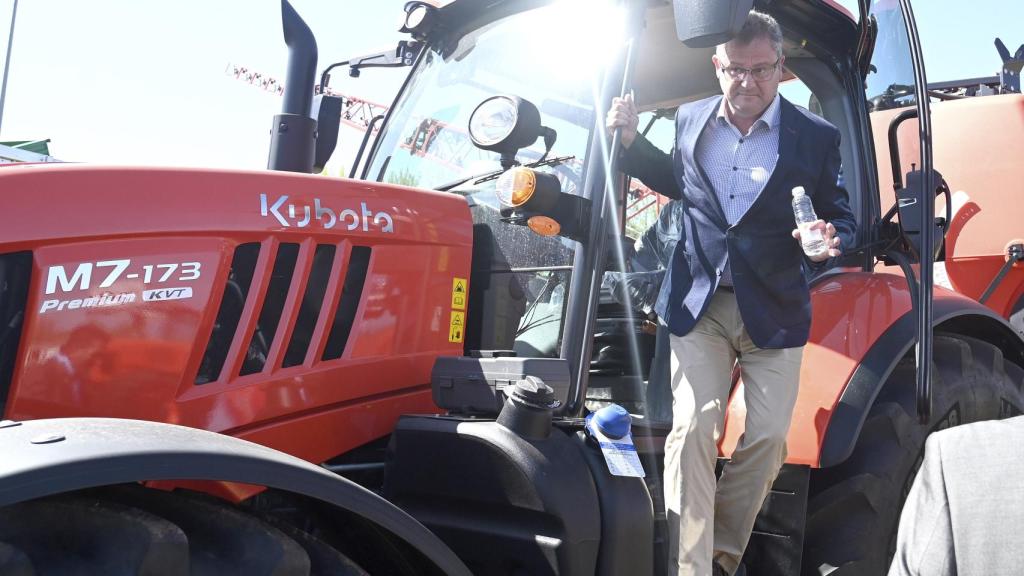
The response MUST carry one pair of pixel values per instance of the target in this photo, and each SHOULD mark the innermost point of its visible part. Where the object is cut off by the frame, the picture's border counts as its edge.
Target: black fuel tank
(511, 503)
(504, 504)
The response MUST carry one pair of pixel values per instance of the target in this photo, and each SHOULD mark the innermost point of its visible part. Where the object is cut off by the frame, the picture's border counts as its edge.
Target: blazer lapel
(707, 199)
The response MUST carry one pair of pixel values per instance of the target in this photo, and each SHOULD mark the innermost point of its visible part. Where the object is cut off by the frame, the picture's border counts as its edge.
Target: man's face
(746, 96)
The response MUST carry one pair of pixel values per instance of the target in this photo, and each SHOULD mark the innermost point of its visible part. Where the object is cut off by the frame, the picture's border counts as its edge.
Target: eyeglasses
(760, 73)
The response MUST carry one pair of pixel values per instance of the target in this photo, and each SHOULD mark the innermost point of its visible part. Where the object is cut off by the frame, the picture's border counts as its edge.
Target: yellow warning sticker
(459, 293)
(457, 326)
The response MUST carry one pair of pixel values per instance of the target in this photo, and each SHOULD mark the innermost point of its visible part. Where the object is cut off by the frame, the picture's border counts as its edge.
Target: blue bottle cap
(613, 421)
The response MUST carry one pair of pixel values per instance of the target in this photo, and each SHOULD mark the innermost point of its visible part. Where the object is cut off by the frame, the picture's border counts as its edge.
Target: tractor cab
(505, 106)
(518, 93)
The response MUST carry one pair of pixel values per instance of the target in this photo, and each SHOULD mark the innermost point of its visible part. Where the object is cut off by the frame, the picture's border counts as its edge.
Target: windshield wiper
(487, 176)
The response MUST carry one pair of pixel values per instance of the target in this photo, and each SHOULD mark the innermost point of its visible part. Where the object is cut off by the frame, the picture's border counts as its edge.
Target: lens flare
(596, 34)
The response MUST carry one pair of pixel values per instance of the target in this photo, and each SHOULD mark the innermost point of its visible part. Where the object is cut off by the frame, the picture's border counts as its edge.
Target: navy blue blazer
(767, 264)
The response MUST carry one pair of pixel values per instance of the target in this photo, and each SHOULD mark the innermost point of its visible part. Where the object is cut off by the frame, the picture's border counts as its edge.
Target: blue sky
(145, 82)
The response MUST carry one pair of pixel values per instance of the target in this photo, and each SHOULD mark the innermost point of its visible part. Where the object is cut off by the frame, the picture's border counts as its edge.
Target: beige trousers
(708, 522)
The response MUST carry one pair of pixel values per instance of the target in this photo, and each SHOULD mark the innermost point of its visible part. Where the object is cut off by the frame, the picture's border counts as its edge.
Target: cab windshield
(547, 56)
(535, 55)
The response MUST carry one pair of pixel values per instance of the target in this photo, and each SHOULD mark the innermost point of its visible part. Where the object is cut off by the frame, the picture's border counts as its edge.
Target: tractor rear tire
(854, 508)
(130, 530)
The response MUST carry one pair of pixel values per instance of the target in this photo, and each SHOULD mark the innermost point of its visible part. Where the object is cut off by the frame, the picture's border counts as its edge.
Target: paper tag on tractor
(619, 453)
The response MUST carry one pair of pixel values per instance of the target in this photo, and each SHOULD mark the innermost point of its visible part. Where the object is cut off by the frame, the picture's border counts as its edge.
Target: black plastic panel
(777, 542)
(504, 504)
(309, 310)
(243, 265)
(351, 294)
(273, 305)
(15, 274)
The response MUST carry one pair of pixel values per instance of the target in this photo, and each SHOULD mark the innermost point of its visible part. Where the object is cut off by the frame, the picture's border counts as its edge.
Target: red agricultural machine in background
(236, 372)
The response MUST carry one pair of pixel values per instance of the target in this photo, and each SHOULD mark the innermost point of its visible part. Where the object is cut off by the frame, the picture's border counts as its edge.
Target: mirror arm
(403, 55)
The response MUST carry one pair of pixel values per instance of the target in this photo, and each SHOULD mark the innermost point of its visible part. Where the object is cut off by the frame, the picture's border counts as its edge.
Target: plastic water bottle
(813, 241)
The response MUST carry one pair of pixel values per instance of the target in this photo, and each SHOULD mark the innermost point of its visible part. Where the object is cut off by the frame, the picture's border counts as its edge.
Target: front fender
(862, 326)
(45, 457)
(951, 312)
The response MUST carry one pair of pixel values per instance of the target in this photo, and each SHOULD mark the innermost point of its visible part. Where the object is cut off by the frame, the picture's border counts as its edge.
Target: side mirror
(327, 110)
(708, 23)
(913, 221)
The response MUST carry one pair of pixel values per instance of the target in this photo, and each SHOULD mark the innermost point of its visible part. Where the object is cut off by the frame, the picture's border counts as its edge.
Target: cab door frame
(870, 29)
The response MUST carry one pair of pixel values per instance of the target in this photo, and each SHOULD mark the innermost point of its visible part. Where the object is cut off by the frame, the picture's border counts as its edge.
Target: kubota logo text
(302, 215)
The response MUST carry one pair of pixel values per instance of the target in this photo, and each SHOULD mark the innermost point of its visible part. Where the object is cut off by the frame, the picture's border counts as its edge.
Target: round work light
(504, 124)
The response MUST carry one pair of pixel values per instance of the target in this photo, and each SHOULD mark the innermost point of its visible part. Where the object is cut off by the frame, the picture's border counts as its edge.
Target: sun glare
(591, 32)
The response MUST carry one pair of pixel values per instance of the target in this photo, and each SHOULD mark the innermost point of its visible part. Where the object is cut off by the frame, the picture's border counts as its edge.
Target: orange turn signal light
(516, 187)
(544, 226)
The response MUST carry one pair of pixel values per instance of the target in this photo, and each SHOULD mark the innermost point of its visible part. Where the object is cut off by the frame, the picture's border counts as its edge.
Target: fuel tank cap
(533, 392)
(613, 421)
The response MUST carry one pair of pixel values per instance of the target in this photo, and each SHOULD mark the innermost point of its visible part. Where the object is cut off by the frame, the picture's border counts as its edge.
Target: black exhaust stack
(293, 135)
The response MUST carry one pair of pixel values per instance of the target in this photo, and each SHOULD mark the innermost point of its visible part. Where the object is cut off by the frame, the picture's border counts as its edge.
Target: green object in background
(36, 146)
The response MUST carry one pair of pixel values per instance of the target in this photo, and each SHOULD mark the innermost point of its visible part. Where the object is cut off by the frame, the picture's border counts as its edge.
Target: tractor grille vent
(299, 286)
(15, 273)
(243, 265)
(351, 293)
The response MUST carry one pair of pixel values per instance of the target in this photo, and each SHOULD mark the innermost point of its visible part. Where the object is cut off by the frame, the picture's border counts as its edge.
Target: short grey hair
(760, 25)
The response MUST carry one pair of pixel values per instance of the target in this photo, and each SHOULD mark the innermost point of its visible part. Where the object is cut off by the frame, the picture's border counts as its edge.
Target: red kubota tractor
(235, 372)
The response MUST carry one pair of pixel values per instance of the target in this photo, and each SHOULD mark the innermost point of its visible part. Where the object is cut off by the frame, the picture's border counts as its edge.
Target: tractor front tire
(131, 530)
(854, 508)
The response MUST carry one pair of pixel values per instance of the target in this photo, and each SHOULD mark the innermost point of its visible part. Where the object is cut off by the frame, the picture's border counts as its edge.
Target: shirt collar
(769, 118)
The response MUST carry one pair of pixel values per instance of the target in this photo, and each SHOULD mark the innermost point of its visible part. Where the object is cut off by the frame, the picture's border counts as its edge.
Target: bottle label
(808, 234)
(812, 240)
